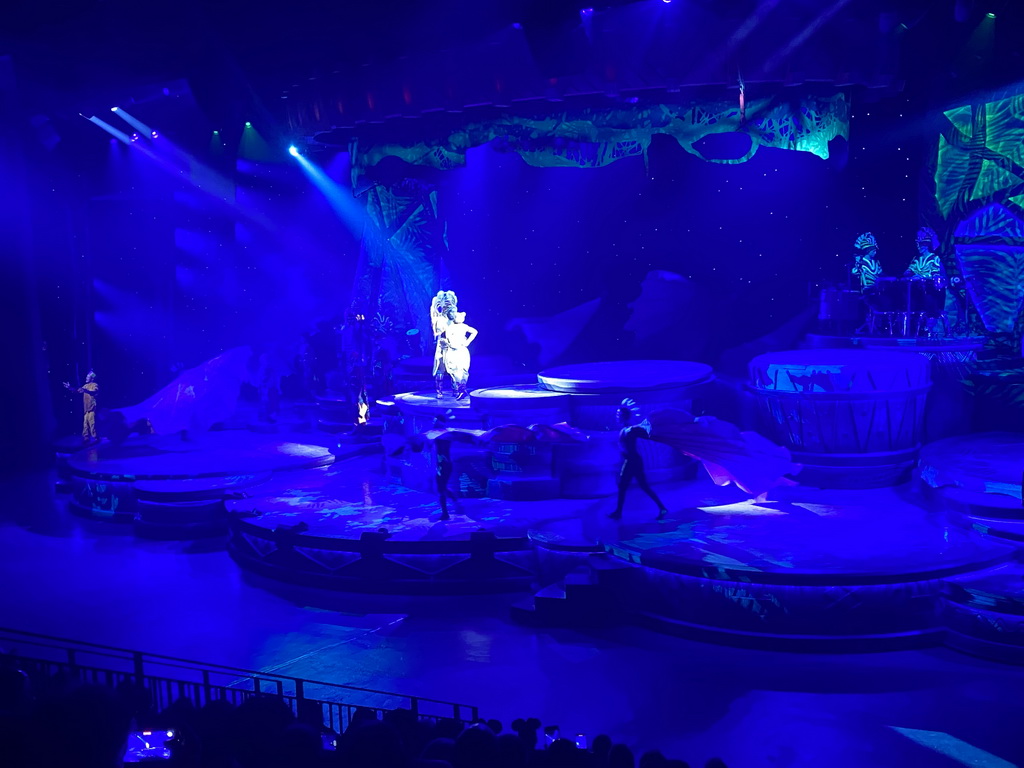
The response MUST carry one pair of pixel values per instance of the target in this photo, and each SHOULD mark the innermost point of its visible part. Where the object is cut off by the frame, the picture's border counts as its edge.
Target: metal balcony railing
(167, 678)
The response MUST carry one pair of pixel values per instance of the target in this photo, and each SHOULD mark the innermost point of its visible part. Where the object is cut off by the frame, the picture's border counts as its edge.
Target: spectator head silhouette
(620, 756)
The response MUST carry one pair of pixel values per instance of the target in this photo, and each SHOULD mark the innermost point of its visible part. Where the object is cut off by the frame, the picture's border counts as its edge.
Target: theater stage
(929, 561)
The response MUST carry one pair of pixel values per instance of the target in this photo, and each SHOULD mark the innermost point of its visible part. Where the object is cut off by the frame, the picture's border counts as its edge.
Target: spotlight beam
(141, 127)
(121, 136)
(753, 21)
(342, 201)
(802, 37)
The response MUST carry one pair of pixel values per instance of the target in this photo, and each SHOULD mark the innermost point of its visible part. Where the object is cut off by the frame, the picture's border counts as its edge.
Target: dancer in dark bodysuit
(632, 461)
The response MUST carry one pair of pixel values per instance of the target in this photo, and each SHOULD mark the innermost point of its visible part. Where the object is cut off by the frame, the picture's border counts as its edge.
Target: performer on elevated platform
(927, 263)
(866, 266)
(90, 393)
(458, 336)
(441, 306)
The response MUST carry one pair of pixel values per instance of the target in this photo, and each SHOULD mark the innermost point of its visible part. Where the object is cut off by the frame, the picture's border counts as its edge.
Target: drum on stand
(906, 307)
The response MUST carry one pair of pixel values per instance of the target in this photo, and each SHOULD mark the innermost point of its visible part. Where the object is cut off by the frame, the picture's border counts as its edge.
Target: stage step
(586, 596)
(1012, 530)
(984, 613)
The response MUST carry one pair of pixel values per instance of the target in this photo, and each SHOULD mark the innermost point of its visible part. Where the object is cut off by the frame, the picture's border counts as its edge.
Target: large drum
(853, 418)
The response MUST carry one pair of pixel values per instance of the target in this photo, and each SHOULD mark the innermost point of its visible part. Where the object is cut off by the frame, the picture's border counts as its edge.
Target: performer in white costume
(458, 336)
(441, 306)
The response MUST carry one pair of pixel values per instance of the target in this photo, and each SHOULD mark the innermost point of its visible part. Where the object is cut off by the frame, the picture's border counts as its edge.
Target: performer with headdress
(866, 266)
(458, 336)
(441, 307)
(90, 394)
(632, 462)
(927, 263)
(746, 459)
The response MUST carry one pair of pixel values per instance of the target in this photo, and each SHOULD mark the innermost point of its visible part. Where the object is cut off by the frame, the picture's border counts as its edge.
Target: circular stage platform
(175, 488)
(351, 529)
(865, 572)
(624, 376)
(983, 470)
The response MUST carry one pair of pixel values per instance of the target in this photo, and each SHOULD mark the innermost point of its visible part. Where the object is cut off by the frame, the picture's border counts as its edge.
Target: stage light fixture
(135, 137)
(248, 124)
(154, 135)
(293, 151)
(666, 2)
(990, 15)
(113, 109)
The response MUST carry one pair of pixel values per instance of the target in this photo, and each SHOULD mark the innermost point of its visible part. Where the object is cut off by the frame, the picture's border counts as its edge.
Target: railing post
(139, 667)
(300, 690)
(414, 705)
(71, 658)
(206, 686)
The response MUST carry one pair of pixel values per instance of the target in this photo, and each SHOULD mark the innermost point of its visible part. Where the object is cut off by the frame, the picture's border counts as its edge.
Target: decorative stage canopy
(594, 136)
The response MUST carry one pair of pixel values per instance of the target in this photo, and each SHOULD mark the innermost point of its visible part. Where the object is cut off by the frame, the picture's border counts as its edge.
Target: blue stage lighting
(135, 137)
(155, 135)
(587, 12)
(666, 1)
(113, 109)
(990, 15)
(248, 124)
(293, 151)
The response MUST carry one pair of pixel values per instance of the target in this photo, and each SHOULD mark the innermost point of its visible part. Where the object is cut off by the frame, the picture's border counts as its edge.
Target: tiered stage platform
(585, 396)
(172, 487)
(822, 570)
(930, 561)
(350, 528)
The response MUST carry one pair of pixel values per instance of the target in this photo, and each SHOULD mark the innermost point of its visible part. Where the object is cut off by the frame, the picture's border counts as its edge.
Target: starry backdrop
(149, 269)
(754, 241)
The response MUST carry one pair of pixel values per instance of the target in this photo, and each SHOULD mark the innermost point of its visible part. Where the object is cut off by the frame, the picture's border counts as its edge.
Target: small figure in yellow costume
(90, 392)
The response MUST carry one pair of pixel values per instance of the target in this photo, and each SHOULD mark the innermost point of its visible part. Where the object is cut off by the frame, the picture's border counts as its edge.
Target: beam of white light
(818, 22)
(121, 136)
(180, 164)
(714, 63)
(954, 748)
(342, 201)
(134, 122)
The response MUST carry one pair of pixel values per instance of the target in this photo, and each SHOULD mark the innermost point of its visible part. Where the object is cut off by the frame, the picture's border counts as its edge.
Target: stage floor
(356, 497)
(813, 537)
(209, 454)
(754, 708)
